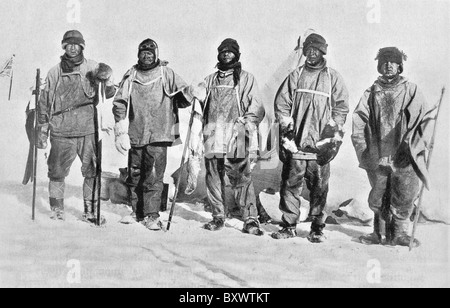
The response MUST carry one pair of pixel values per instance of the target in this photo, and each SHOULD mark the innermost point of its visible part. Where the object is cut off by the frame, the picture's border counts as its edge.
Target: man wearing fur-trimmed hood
(385, 138)
(311, 107)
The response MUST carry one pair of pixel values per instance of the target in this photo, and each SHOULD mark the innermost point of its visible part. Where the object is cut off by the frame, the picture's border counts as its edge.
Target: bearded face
(147, 57)
(313, 56)
(226, 57)
(390, 69)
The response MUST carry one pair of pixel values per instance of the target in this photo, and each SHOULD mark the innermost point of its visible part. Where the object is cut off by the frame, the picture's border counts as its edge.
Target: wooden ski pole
(96, 200)
(419, 205)
(35, 155)
(180, 175)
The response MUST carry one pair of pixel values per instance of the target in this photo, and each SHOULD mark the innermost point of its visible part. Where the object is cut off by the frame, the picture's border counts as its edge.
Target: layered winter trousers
(63, 153)
(316, 178)
(239, 174)
(401, 187)
(146, 167)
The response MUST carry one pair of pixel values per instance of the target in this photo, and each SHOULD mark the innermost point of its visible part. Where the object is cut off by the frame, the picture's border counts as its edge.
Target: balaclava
(232, 45)
(148, 45)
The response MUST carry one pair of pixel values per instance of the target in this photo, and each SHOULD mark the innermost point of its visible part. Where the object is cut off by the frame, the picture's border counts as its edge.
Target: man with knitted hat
(146, 114)
(384, 123)
(66, 112)
(311, 107)
(232, 113)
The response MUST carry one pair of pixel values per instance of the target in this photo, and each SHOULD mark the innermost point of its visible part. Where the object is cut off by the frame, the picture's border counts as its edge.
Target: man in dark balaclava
(232, 113)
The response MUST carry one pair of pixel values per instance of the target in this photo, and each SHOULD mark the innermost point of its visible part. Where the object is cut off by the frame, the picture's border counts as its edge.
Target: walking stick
(186, 145)
(35, 154)
(416, 219)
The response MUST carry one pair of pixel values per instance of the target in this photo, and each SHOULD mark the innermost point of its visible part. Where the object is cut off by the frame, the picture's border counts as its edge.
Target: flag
(7, 71)
(7, 68)
(422, 141)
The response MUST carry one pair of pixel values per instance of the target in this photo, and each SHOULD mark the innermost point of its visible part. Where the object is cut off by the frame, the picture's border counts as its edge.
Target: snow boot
(153, 223)
(390, 229)
(90, 213)
(401, 237)
(251, 226)
(263, 217)
(316, 235)
(130, 219)
(374, 238)
(57, 208)
(288, 231)
(215, 225)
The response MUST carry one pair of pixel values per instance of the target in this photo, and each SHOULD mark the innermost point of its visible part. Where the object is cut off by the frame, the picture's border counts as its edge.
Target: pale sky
(189, 31)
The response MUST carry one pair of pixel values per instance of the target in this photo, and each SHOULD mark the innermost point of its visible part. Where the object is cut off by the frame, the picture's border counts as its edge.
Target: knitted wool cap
(317, 41)
(390, 54)
(73, 37)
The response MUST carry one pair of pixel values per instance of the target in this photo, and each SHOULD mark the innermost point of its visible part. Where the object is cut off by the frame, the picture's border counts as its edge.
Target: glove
(386, 164)
(253, 158)
(42, 136)
(122, 139)
(289, 145)
(199, 91)
(103, 73)
(330, 143)
(287, 127)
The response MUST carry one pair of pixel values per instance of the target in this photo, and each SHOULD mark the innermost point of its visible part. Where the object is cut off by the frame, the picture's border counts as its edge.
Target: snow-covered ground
(47, 253)
(42, 253)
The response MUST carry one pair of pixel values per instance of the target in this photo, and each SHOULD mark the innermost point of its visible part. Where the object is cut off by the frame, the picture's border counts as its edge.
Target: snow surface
(41, 253)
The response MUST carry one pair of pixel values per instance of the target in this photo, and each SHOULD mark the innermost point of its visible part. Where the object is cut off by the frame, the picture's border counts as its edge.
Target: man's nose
(312, 52)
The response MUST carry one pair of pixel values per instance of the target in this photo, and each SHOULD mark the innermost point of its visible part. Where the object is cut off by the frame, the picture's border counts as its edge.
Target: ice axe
(177, 184)
(419, 205)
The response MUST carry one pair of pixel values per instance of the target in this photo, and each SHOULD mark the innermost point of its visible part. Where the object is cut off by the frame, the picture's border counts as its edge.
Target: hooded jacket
(66, 104)
(390, 124)
(155, 98)
(307, 100)
(246, 95)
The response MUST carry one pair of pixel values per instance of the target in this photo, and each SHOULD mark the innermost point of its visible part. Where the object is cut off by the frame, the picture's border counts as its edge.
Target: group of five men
(310, 106)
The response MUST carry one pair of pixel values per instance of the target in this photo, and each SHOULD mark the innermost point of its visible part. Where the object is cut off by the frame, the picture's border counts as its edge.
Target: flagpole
(10, 85)
(11, 79)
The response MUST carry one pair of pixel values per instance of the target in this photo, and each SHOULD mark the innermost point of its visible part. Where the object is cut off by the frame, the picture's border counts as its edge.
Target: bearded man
(384, 123)
(311, 107)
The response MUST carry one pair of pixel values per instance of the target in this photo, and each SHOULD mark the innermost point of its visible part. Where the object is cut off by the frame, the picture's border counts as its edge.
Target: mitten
(122, 138)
